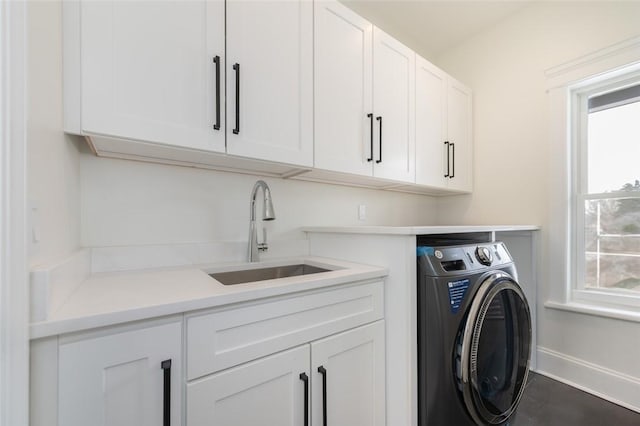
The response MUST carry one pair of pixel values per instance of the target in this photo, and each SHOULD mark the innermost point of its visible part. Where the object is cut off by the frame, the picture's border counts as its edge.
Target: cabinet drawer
(225, 338)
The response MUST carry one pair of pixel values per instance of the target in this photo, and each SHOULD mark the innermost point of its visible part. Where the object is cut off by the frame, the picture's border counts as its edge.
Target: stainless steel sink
(251, 275)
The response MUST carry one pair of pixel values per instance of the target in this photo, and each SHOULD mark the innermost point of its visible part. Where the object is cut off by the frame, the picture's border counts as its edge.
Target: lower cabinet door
(348, 376)
(269, 391)
(122, 378)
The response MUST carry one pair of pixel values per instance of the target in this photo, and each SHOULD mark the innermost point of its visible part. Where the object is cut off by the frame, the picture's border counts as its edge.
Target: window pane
(613, 148)
(612, 243)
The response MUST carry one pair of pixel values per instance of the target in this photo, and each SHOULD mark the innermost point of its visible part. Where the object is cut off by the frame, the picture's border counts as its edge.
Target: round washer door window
(495, 352)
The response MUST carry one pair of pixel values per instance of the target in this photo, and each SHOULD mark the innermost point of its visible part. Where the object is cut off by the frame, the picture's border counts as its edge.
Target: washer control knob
(483, 254)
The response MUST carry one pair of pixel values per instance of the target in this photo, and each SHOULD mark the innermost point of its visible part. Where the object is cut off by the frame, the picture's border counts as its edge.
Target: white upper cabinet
(270, 66)
(393, 106)
(295, 88)
(343, 90)
(443, 130)
(363, 83)
(431, 110)
(158, 71)
(147, 70)
(459, 136)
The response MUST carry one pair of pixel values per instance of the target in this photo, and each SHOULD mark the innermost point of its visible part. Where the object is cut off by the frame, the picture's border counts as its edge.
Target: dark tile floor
(551, 403)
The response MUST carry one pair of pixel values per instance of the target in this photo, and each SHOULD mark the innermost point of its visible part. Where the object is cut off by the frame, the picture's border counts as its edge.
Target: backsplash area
(127, 203)
(111, 259)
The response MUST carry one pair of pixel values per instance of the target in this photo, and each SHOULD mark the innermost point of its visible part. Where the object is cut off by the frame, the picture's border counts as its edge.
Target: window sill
(600, 311)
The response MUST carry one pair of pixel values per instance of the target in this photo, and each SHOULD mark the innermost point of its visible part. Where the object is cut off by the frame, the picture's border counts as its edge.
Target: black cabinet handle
(453, 160)
(379, 160)
(216, 60)
(370, 115)
(236, 68)
(305, 379)
(323, 371)
(446, 143)
(166, 399)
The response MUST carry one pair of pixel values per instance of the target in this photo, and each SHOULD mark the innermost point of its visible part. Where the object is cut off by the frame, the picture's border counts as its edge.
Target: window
(606, 190)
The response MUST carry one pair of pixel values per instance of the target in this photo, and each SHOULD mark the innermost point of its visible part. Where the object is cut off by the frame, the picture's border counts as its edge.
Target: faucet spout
(268, 213)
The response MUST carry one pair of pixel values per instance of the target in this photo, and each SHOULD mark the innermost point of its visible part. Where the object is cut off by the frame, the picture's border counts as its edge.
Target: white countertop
(419, 230)
(111, 298)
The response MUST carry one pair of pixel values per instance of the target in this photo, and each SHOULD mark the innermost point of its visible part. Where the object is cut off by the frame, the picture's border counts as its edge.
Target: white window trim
(579, 94)
(14, 295)
(562, 83)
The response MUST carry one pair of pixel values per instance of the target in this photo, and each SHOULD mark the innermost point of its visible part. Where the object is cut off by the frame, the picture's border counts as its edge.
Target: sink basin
(251, 275)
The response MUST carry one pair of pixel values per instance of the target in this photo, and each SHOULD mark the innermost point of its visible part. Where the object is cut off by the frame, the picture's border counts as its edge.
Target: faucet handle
(263, 246)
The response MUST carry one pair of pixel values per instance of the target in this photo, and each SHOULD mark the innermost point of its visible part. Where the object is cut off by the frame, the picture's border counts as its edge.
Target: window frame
(579, 110)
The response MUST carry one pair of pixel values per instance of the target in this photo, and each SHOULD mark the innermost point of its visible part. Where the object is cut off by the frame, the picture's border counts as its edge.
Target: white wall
(52, 157)
(505, 67)
(129, 202)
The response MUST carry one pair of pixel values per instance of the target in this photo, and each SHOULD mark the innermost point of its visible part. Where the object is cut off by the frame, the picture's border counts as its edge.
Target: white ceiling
(430, 27)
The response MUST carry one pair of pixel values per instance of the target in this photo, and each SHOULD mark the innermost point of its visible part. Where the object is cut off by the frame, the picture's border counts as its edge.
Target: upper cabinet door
(270, 67)
(431, 110)
(343, 90)
(394, 109)
(148, 72)
(459, 135)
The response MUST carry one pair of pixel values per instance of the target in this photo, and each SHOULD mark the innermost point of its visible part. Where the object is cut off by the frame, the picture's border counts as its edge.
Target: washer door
(495, 350)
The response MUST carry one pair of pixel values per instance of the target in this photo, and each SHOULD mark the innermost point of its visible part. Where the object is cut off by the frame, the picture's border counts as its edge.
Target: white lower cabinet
(348, 372)
(289, 360)
(268, 391)
(346, 383)
(132, 378)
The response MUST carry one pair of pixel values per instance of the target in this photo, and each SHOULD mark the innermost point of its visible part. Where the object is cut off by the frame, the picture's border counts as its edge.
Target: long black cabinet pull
(379, 160)
(453, 160)
(448, 162)
(216, 60)
(236, 68)
(305, 379)
(323, 371)
(370, 115)
(166, 398)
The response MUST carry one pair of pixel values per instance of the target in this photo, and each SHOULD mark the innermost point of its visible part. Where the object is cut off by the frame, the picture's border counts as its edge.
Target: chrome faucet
(267, 214)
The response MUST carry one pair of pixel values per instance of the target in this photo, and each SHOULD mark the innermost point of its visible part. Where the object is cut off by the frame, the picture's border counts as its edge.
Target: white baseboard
(613, 386)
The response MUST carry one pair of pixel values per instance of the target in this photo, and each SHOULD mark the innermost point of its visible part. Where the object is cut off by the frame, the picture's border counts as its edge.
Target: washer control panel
(484, 256)
(454, 260)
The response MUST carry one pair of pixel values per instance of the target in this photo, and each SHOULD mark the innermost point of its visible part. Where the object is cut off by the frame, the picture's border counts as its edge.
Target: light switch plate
(362, 212)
